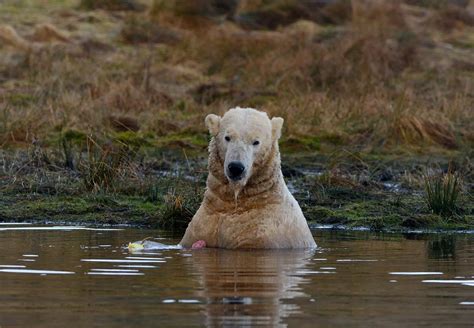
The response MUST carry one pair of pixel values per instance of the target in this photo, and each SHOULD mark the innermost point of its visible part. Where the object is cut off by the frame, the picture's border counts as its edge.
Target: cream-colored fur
(257, 211)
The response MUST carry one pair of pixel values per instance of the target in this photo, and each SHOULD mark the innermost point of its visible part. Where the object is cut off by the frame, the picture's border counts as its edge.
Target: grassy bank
(348, 189)
(102, 106)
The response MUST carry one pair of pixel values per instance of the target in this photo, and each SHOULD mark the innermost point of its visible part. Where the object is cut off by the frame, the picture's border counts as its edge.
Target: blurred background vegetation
(370, 74)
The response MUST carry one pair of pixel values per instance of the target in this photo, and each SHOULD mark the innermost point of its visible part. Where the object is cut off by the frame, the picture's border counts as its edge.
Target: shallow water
(71, 276)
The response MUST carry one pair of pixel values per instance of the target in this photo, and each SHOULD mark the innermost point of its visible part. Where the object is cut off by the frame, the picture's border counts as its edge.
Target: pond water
(72, 276)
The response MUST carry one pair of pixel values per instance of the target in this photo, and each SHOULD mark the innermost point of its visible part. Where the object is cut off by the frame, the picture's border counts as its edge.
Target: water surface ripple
(55, 276)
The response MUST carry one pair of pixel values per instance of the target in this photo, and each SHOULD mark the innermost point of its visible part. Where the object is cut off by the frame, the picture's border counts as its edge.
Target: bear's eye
(256, 143)
(227, 138)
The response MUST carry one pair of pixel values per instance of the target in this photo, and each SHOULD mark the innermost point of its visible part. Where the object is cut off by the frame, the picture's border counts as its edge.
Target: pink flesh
(198, 244)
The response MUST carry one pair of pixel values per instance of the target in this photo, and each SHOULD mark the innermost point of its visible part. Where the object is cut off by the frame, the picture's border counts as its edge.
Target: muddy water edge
(344, 189)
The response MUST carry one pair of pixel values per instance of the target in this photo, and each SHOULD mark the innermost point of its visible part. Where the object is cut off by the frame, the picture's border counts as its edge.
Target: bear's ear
(213, 122)
(277, 124)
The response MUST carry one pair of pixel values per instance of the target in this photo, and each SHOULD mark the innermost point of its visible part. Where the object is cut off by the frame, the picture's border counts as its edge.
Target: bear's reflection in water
(246, 288)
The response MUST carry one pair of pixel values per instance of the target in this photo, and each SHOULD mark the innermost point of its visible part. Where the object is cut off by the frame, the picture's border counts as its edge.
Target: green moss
(131, 139)
(74, 136)
(401, 212)
(308, 143)
(95, 208)
(323, 215)
(332, 138)
(191, 140)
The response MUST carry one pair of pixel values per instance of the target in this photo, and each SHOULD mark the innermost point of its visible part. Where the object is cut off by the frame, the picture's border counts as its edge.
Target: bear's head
(244, 138)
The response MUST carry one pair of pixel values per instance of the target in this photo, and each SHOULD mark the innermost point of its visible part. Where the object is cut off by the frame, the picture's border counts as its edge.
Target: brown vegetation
(367, 74)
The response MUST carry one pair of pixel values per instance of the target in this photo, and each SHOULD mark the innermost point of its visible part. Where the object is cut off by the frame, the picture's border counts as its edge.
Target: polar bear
(247, 203)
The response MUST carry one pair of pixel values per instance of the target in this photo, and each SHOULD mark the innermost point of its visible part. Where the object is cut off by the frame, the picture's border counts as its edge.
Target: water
(65, 276)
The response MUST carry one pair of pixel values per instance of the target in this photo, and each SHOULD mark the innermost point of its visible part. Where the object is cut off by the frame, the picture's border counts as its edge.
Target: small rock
(385, 175)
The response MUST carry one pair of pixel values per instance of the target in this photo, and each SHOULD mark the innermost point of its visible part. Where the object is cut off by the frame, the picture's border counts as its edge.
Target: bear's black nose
(235, 170)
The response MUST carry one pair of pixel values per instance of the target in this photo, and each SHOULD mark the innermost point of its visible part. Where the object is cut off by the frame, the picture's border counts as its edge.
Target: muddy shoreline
(347, 190)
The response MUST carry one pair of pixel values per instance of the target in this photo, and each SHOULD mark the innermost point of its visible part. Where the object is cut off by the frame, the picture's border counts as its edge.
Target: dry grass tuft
(102, 165)
(10, 37)
(49, 33)
(411, 129)
(442, 194)
(181, 201)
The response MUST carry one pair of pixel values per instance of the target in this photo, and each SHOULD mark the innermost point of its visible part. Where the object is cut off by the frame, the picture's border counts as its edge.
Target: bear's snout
(235, 170)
